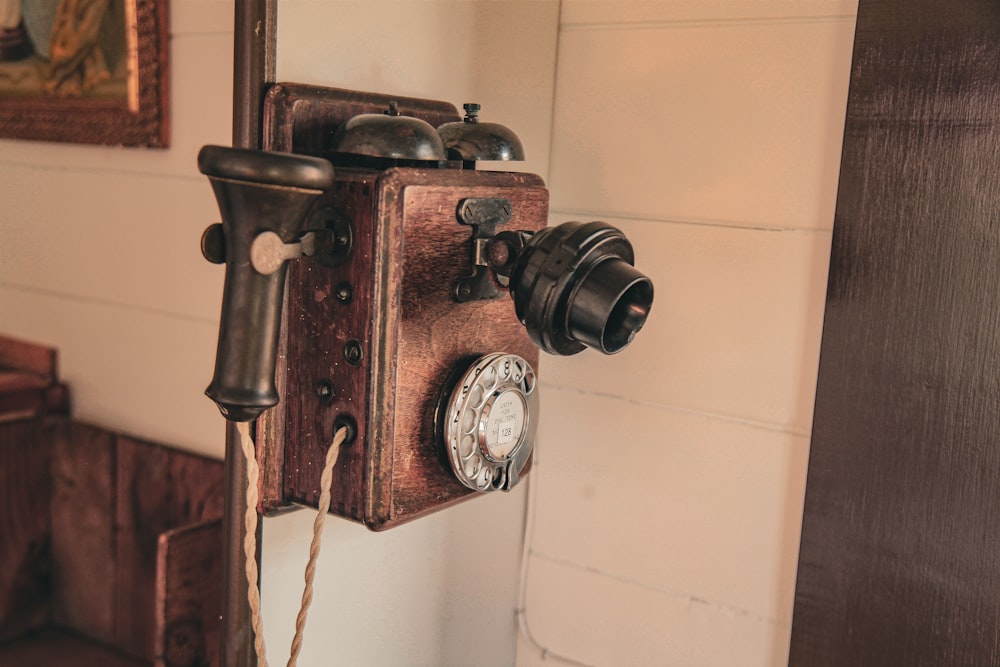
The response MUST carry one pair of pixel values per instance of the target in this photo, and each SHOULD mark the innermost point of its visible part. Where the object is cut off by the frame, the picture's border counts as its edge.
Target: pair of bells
(390, 135)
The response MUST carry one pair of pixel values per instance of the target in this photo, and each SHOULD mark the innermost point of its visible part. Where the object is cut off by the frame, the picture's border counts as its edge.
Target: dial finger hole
(471, 467)
(484, 479)
(467, 446)
(505, 369)
(518, 371)
(476, 397)
(469, 420)
(499, 478)
(529, 382)
(489, 378)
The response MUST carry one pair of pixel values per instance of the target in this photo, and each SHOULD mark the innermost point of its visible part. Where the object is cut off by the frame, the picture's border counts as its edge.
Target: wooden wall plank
(83, 530)
(58, 648)
(159, 489)
(25, 528)
(23, 395)
(189, 596)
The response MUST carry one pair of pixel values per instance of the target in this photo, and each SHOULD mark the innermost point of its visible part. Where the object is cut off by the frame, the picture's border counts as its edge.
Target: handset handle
(257, 192)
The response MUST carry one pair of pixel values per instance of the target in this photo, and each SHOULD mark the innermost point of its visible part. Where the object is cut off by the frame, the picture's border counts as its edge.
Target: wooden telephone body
(377, 338)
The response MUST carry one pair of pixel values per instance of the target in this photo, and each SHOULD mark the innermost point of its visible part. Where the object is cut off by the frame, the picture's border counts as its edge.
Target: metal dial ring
(489, 420)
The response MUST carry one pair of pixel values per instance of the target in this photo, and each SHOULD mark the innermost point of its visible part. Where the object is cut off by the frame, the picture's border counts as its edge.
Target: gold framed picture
(85, 71)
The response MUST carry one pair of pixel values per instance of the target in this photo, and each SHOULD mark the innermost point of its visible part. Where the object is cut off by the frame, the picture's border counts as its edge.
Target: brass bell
(389, 135)
(470, 139)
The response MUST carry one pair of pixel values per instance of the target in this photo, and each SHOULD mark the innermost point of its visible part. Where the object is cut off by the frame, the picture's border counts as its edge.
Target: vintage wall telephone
(399, 321)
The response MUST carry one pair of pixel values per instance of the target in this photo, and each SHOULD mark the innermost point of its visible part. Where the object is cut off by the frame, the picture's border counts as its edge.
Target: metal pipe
(236, 639)
(253, 67)
(253, 70)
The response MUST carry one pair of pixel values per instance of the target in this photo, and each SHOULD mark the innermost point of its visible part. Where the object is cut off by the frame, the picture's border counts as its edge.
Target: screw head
(324, 389)
(353, 352)
(343, 292)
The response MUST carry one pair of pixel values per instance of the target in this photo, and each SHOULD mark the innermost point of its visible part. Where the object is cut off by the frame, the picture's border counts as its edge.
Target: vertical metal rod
(237, 636)
(253, 70)
(253, 67)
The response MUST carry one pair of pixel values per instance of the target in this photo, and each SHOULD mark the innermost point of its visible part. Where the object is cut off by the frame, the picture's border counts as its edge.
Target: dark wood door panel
(900, 556)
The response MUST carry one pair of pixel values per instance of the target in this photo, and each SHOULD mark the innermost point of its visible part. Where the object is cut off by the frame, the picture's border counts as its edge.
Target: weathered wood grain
(158, 490)
(435, 333)
(189, 596)
(89, 534)
(29, 383)
(53, 647)
(409, 251)
(28, 357)
(899, 562)
(83, 530)
(25, 528)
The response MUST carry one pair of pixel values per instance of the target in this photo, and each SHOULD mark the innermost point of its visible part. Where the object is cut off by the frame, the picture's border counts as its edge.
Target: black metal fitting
(353, 352)
(324, 390)
(483, 215)
(346, 421)
(575, 286)
(343, 292)
(504, 249)
(333, 236)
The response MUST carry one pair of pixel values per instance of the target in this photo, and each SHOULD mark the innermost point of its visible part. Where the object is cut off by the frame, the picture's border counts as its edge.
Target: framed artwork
(85, 71)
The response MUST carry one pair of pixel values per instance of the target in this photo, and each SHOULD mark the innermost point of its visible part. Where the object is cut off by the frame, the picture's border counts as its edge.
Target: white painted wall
(669, 485)
(670, 478)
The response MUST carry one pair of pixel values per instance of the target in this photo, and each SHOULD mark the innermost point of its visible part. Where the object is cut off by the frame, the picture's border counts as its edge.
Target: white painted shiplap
(598, 14)
(668, 493)
(686, 504)
(725, 124)
(735, 326)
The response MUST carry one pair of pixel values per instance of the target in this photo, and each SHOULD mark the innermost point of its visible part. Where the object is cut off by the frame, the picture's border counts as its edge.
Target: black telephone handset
(261, 196)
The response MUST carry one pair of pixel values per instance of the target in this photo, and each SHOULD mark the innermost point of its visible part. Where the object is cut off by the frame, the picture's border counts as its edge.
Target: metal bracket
(329, 242)
(483, 215)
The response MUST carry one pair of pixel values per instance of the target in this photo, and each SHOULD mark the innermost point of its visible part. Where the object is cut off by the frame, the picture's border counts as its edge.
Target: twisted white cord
(250, 542)
(325, 482)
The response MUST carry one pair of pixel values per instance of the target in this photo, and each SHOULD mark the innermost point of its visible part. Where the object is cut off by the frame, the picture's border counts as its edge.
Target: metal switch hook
(268, 252)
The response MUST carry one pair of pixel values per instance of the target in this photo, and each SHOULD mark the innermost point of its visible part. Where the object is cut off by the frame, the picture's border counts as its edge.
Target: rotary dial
(489, 421)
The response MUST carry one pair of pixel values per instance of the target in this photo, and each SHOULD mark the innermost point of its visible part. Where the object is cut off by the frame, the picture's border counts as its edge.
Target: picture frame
(93, 72)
